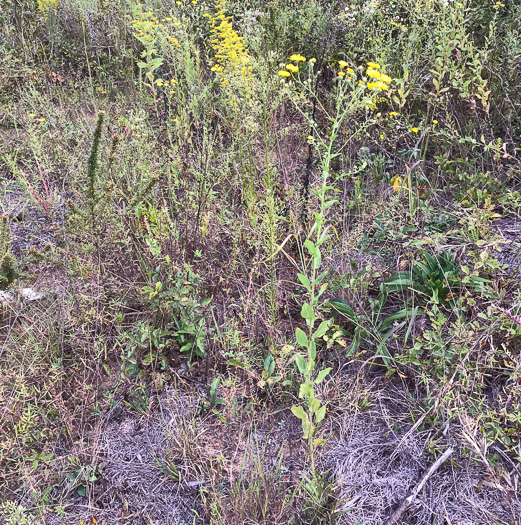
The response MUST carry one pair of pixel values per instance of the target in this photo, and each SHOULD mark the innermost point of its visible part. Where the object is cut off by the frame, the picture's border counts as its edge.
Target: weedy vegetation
(260, 261)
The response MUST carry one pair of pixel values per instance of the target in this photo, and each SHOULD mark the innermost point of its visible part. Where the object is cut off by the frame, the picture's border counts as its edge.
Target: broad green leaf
(312, 249)
(302, 338)
(322, 329)
(341, 306)
(314, 405)
(298, 411)
(305, 390)
(302, 364)
(321, 414)
(321, 375)
(307, 311)
(305, 281)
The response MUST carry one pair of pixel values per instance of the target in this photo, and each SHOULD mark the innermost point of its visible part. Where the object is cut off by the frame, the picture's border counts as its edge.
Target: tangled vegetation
(260, 261)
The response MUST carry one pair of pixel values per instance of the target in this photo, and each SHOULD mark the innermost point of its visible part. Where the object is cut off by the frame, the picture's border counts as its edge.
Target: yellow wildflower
(373, 73)
(374, 65)
(341, 74)
(342, 63)
(297, 58)
(284, 74)
(292, 68)
(414, 130)
(377, 86)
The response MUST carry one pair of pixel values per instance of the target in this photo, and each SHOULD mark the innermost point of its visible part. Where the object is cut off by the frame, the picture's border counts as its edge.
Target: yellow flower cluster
(45, 6)
(497, 5)
(292, 67)
(344, 65)
(232, 61)
(382, 80)
(167, 84)
(148, 29)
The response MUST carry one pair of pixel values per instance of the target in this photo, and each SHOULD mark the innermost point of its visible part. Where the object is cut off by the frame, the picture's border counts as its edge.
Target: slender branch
(399, 512)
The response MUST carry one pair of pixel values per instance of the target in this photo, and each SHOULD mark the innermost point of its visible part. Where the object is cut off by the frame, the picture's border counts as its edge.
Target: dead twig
(398, 513)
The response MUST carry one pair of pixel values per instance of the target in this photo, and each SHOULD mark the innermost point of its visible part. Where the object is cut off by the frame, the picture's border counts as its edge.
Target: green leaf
(302, 339)
(319, 278)
(305, 390)
(318, 259)
(302, 364)
(322, 290)
(398, 284)
(312, 352)
(155, 63)
(322, 329)
(321, 375)
(402, 314)
(236, 362)
(383, 353)
(298, 411)
(307, 311)
(329, 203)
(321, 414)
(343, 307)
(304, 280)
(312, 249)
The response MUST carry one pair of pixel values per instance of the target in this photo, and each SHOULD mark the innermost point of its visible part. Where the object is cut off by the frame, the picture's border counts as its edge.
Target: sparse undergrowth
(259, 261)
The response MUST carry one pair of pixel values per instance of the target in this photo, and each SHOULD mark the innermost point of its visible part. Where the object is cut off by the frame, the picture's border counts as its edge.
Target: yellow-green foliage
(46, 6)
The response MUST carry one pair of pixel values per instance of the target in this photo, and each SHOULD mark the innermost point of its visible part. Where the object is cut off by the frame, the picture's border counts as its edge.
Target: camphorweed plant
(155, 35)
(351, 96)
